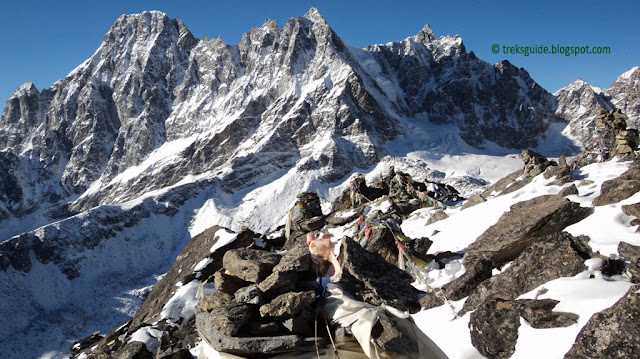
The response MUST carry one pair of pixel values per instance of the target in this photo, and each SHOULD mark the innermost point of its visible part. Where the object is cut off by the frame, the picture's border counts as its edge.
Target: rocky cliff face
(283, 97)
(579, 104)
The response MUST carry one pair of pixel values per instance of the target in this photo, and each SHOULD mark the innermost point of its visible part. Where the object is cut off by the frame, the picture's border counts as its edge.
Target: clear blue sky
(42, 41)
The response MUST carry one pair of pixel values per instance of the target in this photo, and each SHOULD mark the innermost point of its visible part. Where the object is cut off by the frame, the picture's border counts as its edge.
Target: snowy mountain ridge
(160, 135)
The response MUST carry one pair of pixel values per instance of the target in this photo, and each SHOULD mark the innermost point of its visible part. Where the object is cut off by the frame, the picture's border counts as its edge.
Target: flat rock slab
(621, 187)
(554, 256)
(278, 283)
(296, 259)
(246, 346)
(613, 332)
(524, 224)
(251, 265)
(288, 304)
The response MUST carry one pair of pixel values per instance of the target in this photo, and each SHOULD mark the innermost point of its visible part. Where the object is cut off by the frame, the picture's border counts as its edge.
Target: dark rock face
(494, 325)
(134, 350)
(506, 184)
(568, 191)
(612, 333)
(554, 256)
(369, 278)
(460, 287)
(620, 188)
(250, 265)
(227, 283)
(524, 224)
(230, 317)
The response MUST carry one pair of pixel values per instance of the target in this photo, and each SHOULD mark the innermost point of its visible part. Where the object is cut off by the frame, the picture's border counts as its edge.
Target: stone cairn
(613, 139)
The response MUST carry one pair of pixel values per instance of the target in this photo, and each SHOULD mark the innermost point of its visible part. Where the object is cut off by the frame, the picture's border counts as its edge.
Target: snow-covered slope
(585, 294)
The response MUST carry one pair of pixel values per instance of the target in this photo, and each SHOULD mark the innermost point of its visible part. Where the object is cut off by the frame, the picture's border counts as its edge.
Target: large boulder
(370, 278)
(554, 256)
(621, 187)
(521, 226)
(613, 332)
(494, 325)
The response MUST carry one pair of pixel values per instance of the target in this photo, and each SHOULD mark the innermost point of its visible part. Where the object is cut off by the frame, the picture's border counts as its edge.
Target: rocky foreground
(254, 294)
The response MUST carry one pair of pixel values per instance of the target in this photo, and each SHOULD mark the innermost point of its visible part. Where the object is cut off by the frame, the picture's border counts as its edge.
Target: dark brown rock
(494, 328)
(420, 247)
(499, 187)
(524, 224)
(302, 323)
(460, 287)
(296, 259)
(369, 278)
(556, 171)
(620, 188)
(438, 216)
(251, 345)
(180, 354)
(494, 325)
(134, 350)
(632, 210)
(228, 283)
(568, 191)
(251, 265)
(278, 283)
(554, 256)
(261, 329)
(613, 332)
(629, 252)
(288, 304)
(391, 339)
(229, 318)
(382, 242)
(473, 200)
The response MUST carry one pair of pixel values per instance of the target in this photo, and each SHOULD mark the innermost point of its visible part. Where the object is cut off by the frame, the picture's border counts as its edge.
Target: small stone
(472, 201)
(227, 283)
(438, 216)
(568, 191)
(215, 300)
(278, 283)
(288, 304)
(249, 295)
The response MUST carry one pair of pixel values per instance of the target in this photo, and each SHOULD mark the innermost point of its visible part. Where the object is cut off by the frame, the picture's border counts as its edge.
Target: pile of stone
(613, 139)
(268, 304)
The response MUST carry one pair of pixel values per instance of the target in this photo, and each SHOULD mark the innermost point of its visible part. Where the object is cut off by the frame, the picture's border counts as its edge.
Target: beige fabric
(342, 309)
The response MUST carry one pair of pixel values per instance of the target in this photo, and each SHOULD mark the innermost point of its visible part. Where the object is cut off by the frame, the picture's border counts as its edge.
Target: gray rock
(342, 217)
(302, 323)
(420, 247)
(494, 325)
(228, 283)
(252, 345)
(278, 283)
(460, 287)
(288, 304)
(556, 171)
(251, 265)
(382, 242)
(249, 295)
(621, 187)
(296, 259)
(180, 354)
(229, 318)
(473, 200)
(438, 216)
(370, 278)
(391, 339)
(134, 350)
(501, 186)
(568, 191)
(524, 224)
(261, 329)
(554, 256)
(215, 300)
(629, 252)
(632, 210)
(611, 333)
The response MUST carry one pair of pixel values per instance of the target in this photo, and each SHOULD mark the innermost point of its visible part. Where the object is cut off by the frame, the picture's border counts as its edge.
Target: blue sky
(42, 41)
